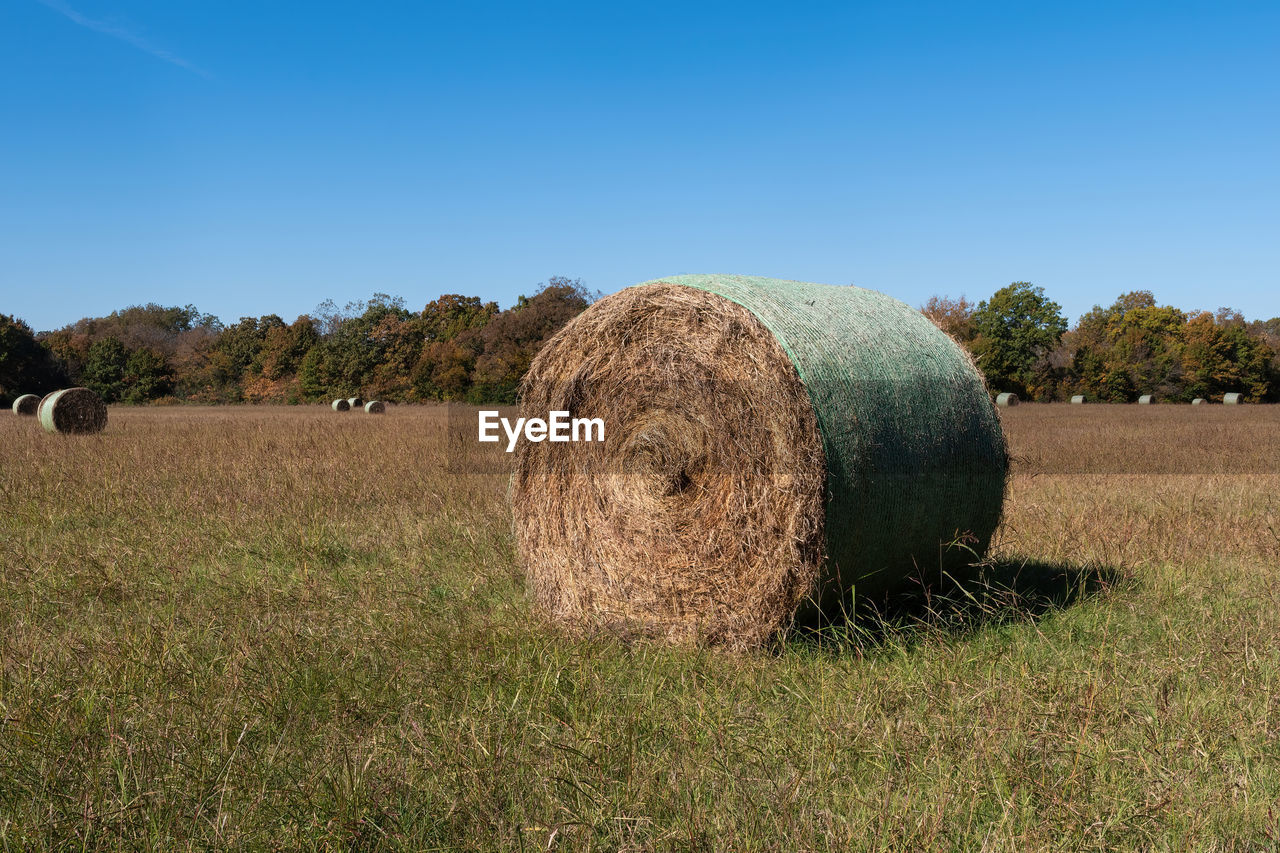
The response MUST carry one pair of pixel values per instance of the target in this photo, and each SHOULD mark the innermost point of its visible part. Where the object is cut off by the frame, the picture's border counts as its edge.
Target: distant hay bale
(774, 449)
(1146, 399)
(1199, 401)
(26, 404)
(73, 411)
(340, 405)
(375, 407)
(355, 402)
(1232, 399)
(1078, 399)
(1008, 398)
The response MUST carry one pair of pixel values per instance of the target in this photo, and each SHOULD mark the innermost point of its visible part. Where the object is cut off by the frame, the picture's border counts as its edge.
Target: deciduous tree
(1014, 332)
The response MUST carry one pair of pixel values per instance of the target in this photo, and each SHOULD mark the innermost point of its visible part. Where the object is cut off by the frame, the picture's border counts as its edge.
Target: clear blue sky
(259, 157)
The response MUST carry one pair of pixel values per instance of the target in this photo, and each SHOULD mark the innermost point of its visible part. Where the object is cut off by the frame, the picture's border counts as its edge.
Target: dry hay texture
(1008, 398)
(355, 402)
(1146, 399)
(1078, 399)
(772, 449)
(73, 411)
(375, 407)
(1232, 399)
(340, 406)
(26, 404)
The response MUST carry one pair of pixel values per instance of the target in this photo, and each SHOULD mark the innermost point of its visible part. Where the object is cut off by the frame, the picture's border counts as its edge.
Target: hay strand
(375, 407)
(73, 411)
(1078, 399)
(26, 404)
(773, 449)
(1233, 398)
(1006, 399)
(340, 405)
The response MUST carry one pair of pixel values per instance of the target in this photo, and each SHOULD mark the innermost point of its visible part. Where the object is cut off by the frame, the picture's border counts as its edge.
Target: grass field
(283, 628)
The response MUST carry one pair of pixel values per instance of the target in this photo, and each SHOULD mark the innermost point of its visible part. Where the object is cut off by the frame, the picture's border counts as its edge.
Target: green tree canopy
(1014, 332)
(104, 368)
(26, 366)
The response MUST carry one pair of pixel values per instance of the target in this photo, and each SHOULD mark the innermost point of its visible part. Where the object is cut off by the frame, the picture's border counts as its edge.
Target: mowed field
(286, 628)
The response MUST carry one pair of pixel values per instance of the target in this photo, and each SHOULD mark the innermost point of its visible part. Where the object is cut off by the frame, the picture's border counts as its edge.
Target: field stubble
(286, 628)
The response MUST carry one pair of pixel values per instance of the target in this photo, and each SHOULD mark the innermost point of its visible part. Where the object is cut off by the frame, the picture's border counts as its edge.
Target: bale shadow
(990, 594)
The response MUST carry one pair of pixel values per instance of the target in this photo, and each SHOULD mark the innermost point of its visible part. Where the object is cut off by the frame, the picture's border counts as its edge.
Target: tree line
(456, 348)
(460, 348)
(1115, 354)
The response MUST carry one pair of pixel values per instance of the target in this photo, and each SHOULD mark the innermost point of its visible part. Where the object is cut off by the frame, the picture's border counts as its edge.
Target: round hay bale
(355, 402)
(1078, 399)
(375, 407)
(26, 404)
(1146, 399)
(774, 451)
(1232, 399)
(1008, 398)
(340, 405)
(1199, 401)
(73, 411)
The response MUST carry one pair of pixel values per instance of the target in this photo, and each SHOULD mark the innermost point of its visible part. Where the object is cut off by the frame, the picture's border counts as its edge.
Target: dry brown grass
(213, 636)
(1140, 487)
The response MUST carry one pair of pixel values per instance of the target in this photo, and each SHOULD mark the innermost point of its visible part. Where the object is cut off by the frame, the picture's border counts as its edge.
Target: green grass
(219, 629)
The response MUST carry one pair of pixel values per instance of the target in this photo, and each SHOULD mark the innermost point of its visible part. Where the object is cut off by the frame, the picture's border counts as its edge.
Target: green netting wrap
(774, 449)
(916, 457)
